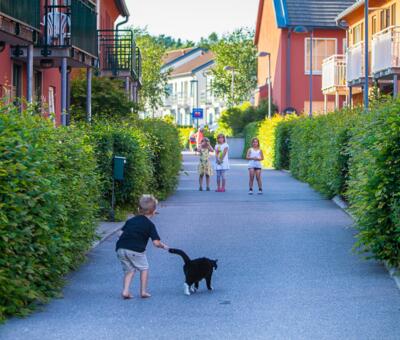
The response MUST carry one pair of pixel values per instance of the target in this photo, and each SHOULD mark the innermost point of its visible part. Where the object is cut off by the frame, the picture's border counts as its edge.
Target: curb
(393, 272)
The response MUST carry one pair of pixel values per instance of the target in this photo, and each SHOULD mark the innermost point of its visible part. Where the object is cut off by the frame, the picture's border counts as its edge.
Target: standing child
(205, 168)
(255, 156)
(221, 161)
(132, 244)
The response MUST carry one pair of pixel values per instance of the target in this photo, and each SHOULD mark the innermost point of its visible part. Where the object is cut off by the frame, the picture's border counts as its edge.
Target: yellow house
(384, 46)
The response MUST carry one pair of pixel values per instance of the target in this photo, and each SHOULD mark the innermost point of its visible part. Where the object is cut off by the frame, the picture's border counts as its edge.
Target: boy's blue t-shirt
(136, 233)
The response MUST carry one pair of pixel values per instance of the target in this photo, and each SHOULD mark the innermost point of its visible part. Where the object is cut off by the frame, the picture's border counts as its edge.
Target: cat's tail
(180, 253)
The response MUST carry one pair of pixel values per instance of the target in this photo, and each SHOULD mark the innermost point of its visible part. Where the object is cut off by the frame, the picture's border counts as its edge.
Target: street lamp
(232, 69)
(304, 29)
(261, 55)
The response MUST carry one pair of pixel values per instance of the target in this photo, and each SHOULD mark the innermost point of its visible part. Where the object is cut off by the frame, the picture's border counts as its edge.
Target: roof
(309, 13)
(123, 9)
(348, 10)
(195, 65)
(171, 56)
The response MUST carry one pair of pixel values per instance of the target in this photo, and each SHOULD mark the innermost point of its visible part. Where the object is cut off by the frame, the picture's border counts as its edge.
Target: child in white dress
(221, 161)
(255, 157)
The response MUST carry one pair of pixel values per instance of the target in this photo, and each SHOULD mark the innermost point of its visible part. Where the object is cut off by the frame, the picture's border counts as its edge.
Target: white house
(190, 86)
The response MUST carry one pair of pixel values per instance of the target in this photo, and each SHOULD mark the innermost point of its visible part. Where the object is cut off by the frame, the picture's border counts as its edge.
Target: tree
(154, 82)
(109, 100)
(208, 43)
(238, 51)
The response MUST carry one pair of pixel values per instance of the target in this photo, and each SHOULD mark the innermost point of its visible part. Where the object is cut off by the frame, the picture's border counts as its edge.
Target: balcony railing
(119, 53)
(386, 49)
(71, 24)
(334, 72)
(355, 62)
(24, 11)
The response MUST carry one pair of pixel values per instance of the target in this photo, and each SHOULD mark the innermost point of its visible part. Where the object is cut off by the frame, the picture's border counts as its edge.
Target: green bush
(128, 141)
(48, 206)
(184, 134)
(163, 140)
(250, 131)
(283, 144)
(374, 184)
(318, 153)
(234, 120)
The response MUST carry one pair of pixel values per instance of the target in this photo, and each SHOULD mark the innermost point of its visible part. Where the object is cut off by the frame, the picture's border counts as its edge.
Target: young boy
(132, 244)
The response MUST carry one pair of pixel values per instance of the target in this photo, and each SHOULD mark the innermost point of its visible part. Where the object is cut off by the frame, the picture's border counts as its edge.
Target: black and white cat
(195, 271)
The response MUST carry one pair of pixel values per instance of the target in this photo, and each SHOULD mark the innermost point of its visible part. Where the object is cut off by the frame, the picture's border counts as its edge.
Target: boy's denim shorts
(132, 260)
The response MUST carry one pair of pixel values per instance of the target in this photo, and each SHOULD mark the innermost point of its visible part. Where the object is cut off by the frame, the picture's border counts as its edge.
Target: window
(358, 33)
(374, 25)
(37, 88)
(17, 84)
(322, 48)
(393, 15)
(385, 18)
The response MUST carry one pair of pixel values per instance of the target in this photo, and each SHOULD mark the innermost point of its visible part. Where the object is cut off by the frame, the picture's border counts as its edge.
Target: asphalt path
(286, 271)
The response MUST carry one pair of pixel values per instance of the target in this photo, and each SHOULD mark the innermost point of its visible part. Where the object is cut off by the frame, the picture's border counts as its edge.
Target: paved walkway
(286, 272)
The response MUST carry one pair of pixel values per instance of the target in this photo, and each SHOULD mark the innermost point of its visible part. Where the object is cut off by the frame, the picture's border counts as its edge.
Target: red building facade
(285, 29)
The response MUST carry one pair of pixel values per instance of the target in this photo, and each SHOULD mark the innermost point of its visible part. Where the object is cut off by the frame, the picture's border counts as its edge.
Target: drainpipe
(116, 40)
(30, 74)
(288, 69)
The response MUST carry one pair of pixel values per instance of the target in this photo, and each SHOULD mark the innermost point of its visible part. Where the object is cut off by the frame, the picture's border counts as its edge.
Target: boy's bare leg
(127, 283)
(219, 181)
(201, 181)
(208, 181)
(144, 276)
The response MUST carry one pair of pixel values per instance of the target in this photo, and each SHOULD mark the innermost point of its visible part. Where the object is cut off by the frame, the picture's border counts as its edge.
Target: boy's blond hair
(147, 204)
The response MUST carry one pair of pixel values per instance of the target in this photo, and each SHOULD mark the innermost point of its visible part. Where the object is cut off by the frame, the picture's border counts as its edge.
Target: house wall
(300, 80)
(275, 41)
(108, 14)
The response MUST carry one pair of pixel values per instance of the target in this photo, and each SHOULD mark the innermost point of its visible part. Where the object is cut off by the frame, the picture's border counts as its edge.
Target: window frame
(307, 56)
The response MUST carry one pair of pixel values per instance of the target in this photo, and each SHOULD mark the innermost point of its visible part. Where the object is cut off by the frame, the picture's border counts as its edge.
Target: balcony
(334, 75)
(20, 19)
(119, 55)
(386, 52)
(355, 64)
(72, 24)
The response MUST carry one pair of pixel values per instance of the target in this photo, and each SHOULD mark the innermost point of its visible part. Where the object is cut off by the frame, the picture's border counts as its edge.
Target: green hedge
(54, 185)
(374, 184)
(357, 155)
(49, 196)
(250, 131)
(163, 141)
(111, 140)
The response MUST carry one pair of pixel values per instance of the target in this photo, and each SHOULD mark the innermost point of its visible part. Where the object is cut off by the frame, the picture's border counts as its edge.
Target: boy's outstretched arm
(159, 244)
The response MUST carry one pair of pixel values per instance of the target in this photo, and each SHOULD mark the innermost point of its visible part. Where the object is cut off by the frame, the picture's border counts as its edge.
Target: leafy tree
(154, 82)
(208, 43)
(238, 51)
(109, 100)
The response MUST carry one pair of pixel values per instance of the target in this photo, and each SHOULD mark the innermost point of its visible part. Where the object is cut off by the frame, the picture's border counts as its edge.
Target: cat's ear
(216, 261)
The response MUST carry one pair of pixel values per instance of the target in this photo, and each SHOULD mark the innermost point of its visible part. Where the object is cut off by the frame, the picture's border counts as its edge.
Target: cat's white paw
(186, 289)
(193, 290)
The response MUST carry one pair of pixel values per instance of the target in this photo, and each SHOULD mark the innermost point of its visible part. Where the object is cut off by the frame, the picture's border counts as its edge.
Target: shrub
(250, 131)
(266, 135)
(163, 139)
(124, 140)
(49, 196)
(283, 144)
(234, 120)
(374, 184)
(318, 152)
(109, 100)
(184, 134)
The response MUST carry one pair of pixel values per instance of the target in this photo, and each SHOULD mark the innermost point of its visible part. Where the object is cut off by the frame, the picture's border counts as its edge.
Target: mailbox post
(118, 175)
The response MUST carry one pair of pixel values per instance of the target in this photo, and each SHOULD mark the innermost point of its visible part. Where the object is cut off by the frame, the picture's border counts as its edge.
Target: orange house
(285, 29)
(383, 50)
(42, 41)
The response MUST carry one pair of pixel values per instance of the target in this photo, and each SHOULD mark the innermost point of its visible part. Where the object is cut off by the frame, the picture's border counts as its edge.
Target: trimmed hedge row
(54, 183)
(357, 155)
(48, 205)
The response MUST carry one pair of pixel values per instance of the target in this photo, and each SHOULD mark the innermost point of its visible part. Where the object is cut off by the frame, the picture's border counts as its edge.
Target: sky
(192, 19)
